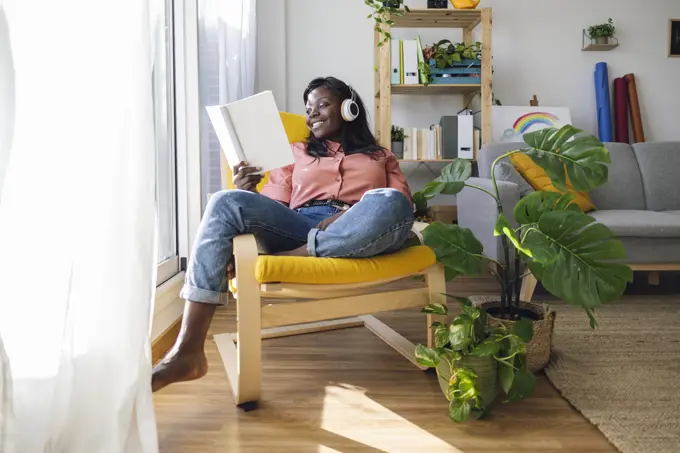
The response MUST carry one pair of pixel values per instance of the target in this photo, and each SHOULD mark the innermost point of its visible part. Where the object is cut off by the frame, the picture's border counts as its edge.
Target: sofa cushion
(659, 164)
(539, 180)
(491, 152)
(651, 250)
(647, 224)
(506, 172)
(623, 189)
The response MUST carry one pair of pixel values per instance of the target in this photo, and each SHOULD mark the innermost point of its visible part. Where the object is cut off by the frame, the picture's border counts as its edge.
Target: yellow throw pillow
(539, 180)
(296, 130)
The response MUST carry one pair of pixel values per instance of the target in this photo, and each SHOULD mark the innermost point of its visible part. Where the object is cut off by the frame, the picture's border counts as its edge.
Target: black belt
(334, 203)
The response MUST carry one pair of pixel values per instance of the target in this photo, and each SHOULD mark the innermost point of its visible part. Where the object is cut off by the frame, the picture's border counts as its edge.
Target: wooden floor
(347, 391)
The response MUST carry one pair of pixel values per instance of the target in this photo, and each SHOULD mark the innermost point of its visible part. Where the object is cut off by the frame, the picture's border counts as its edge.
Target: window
(166, 155)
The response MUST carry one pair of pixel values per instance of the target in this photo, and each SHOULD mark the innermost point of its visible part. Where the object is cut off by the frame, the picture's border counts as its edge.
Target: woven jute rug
(624, 377)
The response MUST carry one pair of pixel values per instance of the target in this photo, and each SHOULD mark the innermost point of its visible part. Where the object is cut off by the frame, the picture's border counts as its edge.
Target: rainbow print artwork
(526, 122)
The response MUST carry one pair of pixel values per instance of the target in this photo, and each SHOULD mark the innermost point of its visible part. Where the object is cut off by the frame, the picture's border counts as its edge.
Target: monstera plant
(572, 255)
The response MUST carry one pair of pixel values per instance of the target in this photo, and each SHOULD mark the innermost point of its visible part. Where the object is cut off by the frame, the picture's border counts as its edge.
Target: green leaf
(522, 385)
(459, 410)
(459, 336)
(579, 271)
(441, 336)
(583, 157)
(506, 374)
(426, 357)
(436, 309)
(503, 228)
(455, 247)
(486, 349)
(502, 224)
(530, 208)
(524, 329)
(591, 317)
(450, 182)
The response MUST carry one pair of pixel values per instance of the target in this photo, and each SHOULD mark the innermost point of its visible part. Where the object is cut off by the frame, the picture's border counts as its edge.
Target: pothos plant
(446, 54)
(382, 11)
(470, 335)
(574, 257)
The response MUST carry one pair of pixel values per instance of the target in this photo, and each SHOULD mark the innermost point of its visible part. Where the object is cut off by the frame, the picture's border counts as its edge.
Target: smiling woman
(345, 196)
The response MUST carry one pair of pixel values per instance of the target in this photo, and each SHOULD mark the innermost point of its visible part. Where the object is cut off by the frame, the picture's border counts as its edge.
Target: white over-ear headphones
(350, 109)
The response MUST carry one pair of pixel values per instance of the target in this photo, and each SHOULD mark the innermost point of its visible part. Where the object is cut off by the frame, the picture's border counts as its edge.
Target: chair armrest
(478, 212)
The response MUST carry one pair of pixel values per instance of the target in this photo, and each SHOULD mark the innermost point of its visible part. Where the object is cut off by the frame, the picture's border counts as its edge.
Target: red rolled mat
(621, 110)
(635, 116)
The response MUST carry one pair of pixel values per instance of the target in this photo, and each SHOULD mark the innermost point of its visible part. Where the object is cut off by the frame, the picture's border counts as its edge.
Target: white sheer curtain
(227, 55)
(77, 224)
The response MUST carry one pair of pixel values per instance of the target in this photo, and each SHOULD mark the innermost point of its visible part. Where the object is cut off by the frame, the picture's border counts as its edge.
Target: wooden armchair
(329, 293)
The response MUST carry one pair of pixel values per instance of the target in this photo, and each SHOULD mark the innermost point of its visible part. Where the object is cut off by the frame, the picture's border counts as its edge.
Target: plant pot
(437, 3)
(602, 40)
(398, 149)
(486, 369)
(538, 349)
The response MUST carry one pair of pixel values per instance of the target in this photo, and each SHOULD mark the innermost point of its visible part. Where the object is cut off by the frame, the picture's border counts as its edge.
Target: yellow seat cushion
(539, 180)
(335, 271)
(296, 130)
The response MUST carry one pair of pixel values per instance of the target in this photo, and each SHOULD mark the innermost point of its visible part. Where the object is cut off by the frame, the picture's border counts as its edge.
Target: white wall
(536, 49)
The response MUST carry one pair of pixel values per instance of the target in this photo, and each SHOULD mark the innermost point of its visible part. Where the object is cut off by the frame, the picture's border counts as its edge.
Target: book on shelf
(423, 143)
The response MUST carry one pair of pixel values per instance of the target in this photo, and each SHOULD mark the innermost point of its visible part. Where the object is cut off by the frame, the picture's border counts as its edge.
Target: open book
(250, 130)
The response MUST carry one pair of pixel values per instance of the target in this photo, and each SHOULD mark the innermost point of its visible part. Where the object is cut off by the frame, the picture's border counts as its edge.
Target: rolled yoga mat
(621, 134)
(604, 114)
(634, 104)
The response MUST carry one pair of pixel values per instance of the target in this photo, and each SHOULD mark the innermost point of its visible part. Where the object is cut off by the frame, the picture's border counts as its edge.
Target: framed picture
(674, 38)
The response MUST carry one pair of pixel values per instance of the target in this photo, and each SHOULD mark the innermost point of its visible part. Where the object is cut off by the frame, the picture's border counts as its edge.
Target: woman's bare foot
(178, 367)
(300, 251)
(186, 360)
(231, 269)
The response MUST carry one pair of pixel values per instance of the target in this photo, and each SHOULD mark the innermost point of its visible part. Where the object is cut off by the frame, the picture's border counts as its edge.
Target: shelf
(600, 47)
(439, 18)
(435, 89)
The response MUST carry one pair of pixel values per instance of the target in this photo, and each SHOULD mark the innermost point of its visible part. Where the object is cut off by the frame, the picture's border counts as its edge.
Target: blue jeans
(379, 223)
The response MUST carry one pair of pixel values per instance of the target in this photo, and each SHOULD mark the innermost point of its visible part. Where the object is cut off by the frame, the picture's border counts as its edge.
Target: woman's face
(323, 114)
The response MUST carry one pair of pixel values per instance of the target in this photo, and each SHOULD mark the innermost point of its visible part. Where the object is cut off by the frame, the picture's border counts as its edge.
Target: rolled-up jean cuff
(311, 241)
(204, 296)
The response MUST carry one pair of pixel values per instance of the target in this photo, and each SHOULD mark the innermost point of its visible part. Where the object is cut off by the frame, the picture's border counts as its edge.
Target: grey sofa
(640, 202)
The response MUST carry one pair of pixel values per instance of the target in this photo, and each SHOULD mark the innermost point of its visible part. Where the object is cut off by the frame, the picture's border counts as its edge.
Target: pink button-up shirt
(337, 177)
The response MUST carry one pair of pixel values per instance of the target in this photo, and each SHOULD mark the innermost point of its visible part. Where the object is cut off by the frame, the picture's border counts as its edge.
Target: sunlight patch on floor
(349, 413)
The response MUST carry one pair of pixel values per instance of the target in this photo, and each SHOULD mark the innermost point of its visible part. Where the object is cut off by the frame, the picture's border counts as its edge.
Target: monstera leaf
(571, 256)
(584, 158)
(530, 208)
(450, 182)
(456, 248)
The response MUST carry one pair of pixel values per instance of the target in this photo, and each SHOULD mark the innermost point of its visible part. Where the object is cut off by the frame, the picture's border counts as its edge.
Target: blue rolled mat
(604, 113)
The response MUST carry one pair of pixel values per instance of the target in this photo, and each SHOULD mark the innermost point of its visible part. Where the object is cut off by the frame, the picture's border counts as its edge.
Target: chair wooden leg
(436, 283)
(243, 361)
(528, 287)
(397, 341)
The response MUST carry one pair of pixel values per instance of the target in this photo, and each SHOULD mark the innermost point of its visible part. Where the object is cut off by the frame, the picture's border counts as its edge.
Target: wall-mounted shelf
(600, 47)
(588, 45)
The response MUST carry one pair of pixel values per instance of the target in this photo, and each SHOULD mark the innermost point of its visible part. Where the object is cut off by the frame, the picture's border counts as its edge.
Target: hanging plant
(382, 11)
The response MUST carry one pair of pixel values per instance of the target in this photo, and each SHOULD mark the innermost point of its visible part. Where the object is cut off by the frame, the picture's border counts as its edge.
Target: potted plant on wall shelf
(473, 359)
(398, 137)
(565, 249)
(602, 32)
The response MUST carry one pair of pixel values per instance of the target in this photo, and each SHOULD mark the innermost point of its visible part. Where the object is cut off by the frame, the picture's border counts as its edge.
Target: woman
(344, 196)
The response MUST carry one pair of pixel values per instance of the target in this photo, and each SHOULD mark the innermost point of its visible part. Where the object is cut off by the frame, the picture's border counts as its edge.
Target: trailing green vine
(382, 12)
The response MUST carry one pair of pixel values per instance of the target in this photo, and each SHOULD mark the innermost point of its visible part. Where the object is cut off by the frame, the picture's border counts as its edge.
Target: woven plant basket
(486, 369)
(538, 349)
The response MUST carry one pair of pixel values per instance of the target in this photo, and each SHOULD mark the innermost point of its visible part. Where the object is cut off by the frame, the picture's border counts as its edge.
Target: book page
(262, 138)
(224, 129)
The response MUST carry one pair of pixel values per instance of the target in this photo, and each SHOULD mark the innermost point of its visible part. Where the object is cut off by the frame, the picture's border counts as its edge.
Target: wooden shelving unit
(467, 20)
